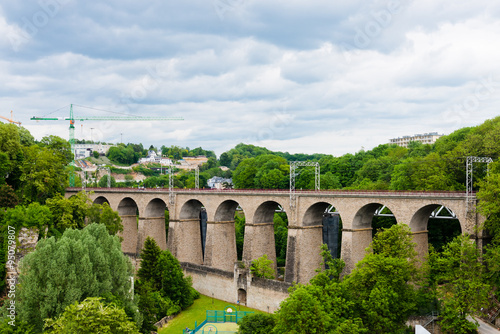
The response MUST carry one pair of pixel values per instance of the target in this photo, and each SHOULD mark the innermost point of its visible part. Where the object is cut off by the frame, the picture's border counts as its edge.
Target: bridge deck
(339, 193)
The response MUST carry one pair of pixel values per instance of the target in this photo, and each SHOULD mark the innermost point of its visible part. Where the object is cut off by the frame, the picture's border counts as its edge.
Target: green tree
(25, 137)
(103, 182)
(489, 201)
(381, 283)
(69, 212)
(463, 289)
(256, 323)
(44, 174)
(124, 154)
(263, 172)
(302, 312)
(161, 284)
(21, 327)
(5, 167)
(11, 155)
(82, 263)
(103, 214)
(89, 317)
(324, 306)
(384, 298)
(395, 241)
(329, 181)
(281, 237)
(33, 215)
(245, 174)
(153, 306)
(262, 267)
(59, 146)
(492, 260)
(239, 225)
(225, 160)
(148, 271)
(164, 272)
(8, 198)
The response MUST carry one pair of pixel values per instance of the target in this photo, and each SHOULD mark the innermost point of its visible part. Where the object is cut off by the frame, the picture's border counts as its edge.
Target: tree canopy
(161, 285)
(440, 166)
(82, 263)
(89, 317)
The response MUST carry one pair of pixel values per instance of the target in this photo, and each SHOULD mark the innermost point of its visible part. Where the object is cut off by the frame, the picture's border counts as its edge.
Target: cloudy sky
(310, 76)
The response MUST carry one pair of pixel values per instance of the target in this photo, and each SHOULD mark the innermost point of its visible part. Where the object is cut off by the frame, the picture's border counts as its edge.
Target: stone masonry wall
(262, 294)
(26, 243)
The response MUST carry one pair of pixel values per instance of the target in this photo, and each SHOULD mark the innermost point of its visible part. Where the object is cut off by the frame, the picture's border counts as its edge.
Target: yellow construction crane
(11, 119)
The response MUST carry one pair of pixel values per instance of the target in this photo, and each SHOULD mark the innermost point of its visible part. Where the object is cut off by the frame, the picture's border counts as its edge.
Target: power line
(108, 111)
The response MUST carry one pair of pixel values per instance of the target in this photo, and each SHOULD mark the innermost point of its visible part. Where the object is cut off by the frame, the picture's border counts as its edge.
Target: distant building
(85, 150)
(153, 157)
(218, 182)
(426, 138)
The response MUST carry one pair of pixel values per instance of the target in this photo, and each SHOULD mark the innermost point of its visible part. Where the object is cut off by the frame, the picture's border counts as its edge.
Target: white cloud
(285, 74)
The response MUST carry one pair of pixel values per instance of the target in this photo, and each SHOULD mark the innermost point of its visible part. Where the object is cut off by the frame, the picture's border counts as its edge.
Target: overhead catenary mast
(72, 120)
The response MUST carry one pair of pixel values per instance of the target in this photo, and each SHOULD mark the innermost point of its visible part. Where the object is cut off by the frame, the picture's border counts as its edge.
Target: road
(485, 328)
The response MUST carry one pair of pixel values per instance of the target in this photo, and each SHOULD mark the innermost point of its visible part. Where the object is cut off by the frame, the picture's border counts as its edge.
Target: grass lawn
(197, 312)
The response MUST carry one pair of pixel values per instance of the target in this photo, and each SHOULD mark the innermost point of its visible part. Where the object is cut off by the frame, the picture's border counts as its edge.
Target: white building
(426, 138)
(218, 182)
(153, 157)
(85, 150)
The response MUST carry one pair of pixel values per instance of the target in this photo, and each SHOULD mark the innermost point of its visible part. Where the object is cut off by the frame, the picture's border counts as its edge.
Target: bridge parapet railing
(395, 193)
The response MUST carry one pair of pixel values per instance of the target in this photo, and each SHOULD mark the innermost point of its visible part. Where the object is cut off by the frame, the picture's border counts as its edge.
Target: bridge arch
(363, 218)
(100, 200)
(155, 208)
(152, 223)
(191, 209)
(129, 213)
(188, 232)
(305, 240)
(420, 218)
(362, 229)
(314, 214)
(259, 234)
(221, 251)
(264, 213)
(225, 211)
(425, 228)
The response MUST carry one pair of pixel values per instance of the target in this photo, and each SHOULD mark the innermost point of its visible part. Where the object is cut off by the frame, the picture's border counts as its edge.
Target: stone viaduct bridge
(356, 210)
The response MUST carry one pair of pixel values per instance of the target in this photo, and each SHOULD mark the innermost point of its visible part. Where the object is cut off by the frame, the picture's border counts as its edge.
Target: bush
(91, 316)
(256, 323)
(262, 267)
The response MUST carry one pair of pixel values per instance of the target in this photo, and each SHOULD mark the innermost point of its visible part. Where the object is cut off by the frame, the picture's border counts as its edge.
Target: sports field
(197, 312)
(224, 326)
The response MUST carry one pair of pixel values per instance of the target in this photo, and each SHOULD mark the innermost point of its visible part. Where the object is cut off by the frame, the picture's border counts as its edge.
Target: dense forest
(440, 166)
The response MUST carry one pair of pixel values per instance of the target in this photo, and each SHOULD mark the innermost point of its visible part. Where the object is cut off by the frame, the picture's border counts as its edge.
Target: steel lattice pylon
(469, 195)
(197, 177)
(293, 167)
(170, 185)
